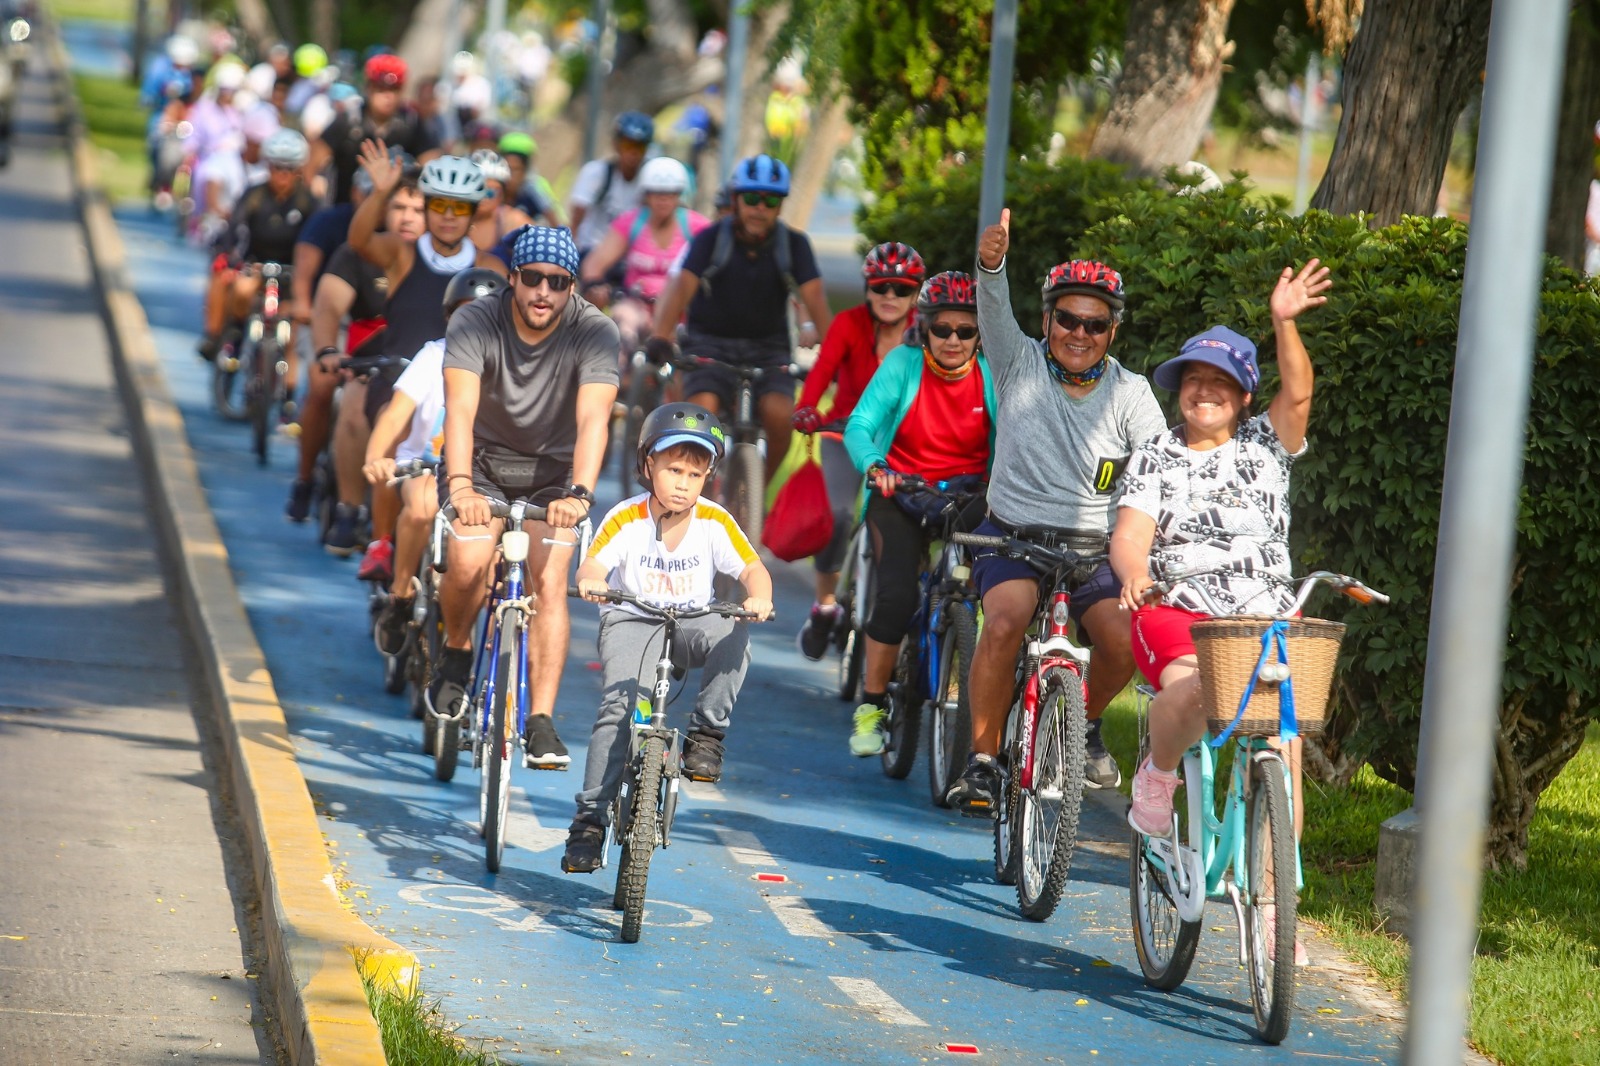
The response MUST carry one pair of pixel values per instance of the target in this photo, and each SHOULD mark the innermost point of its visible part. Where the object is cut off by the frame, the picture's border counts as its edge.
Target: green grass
(1536, 977)
(96, 10)
(415, 1031)
(116, 129)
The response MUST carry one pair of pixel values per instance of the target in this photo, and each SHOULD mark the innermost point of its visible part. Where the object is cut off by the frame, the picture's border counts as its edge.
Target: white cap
(229, 76)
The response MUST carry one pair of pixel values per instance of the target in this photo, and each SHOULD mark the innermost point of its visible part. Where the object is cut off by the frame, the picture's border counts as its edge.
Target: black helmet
(680, 422)
(470, 284)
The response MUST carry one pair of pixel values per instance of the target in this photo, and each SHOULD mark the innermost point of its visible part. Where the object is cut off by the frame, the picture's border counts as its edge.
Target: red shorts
(1160, 635)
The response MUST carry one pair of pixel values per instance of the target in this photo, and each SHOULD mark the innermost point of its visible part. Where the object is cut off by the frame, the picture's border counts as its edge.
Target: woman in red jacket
(856, 343)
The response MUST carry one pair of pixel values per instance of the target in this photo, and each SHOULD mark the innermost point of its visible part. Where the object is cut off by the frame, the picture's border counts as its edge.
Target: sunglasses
(458, 208)
(754, 199)
(943, 330)
(282, 168)
(532, 279)
(893, 288)
(1092, 327)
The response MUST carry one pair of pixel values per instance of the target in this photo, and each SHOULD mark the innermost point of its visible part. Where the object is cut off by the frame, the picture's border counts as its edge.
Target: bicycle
(404, 666)
(854, 597)
(647, 384)
(1044, 747)
(248, 376)
(1233, 856)
(324, 478)
(643, 811)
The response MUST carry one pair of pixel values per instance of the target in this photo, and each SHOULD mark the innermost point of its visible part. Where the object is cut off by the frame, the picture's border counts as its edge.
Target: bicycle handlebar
(1341, 583)
(412, 468)
(502, 509)
(678, 614)
(1029, 552)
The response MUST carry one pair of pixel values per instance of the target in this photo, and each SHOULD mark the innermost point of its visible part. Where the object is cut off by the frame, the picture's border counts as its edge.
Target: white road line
(796, 918)
(703, 792)
(868, 996)
(745, 848)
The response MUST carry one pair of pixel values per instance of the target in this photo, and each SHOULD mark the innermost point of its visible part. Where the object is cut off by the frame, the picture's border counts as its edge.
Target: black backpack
(722, 255)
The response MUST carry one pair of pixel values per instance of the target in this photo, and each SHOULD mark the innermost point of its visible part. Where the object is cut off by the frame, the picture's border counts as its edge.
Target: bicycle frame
(506, 595)
(649, 720)
(1054, 649)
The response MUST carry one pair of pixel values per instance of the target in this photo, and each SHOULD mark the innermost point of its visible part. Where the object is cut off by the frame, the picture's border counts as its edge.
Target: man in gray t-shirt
(1068, 418)
(530, 375)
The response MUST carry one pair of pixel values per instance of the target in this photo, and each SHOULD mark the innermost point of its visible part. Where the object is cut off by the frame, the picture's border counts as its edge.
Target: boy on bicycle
(665, 546)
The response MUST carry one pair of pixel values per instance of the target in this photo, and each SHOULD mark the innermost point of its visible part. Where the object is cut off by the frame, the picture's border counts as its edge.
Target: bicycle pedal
(546, 764)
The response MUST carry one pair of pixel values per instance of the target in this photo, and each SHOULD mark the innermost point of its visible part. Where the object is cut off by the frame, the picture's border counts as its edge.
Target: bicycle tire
(264, 388)
(617, 831)
(850, 657)
(745, 490)
(424, 656)
(495, 802)
(228, 387)
(1270, 836)
(905, 715)
(1164, 942)
(1049, 806)
(642, 830)
(644, 396)
(1005, 821)
(950, 719)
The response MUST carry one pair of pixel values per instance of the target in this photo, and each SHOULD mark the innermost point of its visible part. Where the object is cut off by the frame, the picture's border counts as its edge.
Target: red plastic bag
(801, 520)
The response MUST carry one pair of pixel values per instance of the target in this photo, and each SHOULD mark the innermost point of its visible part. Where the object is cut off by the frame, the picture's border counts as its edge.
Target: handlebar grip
(979, 540)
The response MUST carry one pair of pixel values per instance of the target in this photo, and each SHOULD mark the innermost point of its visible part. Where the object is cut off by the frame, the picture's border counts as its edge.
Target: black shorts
(506, 477)
(380, 390)
(771, 355)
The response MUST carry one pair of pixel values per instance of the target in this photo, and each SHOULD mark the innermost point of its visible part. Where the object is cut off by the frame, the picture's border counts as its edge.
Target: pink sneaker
(378, 563)
(1151, 813)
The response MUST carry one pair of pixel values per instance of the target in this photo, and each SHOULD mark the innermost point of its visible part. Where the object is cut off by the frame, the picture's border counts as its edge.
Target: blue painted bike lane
(883, 938)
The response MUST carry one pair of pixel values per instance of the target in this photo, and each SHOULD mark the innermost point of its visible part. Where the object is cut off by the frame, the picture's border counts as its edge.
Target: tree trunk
(325, 24)
(427, 28)
(1172, 64)
(828, 130)
(1410, 70)
(1580, 108)
(256, 23)
(1528, 755)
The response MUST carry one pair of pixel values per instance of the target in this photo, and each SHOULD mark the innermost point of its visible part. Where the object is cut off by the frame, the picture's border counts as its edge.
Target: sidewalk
(121, 940)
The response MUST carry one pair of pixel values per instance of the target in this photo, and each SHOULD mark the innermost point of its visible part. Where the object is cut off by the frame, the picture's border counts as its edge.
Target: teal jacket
(881, 409)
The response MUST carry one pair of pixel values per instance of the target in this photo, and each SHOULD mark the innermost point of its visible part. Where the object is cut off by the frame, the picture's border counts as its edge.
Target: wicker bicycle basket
(1228, 650)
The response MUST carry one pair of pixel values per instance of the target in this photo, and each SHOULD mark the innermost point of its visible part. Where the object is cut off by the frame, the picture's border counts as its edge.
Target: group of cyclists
(459, 331)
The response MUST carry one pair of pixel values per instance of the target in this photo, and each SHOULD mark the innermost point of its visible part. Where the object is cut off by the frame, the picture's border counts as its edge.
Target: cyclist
(857, 342)
(1069, 417)
(645, 241)
(266, 221)
(529, 380)
(417, 276)
(527, 190)
(382, 118)
(756, 262)
(606, 188)
(411, 427)
(496, 216)
(226, 172)
(665, 546)
(928, 411)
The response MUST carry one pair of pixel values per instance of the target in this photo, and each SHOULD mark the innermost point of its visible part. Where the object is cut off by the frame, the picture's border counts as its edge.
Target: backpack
(642, 219)
(722, 255)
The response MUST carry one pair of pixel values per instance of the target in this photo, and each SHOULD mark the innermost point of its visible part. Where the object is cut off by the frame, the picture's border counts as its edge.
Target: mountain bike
(404, 666)
(1241, 854)
(643, 811)
(267, 337)
(1045, 744)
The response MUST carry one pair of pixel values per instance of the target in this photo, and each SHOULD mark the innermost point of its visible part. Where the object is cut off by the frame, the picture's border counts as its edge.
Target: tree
(1410, 70)
(1580, 108)
(1172, 63)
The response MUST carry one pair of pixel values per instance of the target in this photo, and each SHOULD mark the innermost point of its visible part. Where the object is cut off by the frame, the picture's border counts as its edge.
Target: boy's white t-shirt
(423, 381)
(636, 562)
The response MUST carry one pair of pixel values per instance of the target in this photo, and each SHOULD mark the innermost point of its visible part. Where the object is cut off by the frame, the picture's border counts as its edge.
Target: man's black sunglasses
(942, 330)
(754, 199)
(1068, 322)
(533, 278)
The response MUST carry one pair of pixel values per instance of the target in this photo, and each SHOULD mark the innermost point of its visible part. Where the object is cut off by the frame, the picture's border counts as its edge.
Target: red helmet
(950, 291)
(893, 261)
(1087, 277)
(385, 72)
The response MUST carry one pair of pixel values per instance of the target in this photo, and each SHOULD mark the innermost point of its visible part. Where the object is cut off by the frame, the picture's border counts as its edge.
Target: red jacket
(849, 354)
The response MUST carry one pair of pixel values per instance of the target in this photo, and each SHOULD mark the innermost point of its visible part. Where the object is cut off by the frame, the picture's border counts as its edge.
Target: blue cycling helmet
(636, 126)
(760, 173)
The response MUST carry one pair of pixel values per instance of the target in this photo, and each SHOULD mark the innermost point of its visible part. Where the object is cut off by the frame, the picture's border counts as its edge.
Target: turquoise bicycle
(1233, 855)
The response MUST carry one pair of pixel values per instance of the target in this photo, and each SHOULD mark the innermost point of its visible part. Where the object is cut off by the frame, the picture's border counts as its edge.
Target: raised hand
(994, 242)
(1295, 293)
(384, 171)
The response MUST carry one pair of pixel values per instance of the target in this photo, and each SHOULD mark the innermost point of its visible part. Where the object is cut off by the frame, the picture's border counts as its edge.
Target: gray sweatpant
(629, 648)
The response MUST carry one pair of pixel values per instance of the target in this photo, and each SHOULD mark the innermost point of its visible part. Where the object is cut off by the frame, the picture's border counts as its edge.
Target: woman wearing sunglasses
(858, 341)
(928, 411)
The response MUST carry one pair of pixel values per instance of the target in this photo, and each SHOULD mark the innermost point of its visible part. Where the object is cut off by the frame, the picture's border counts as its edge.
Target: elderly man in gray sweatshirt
(1068, 418)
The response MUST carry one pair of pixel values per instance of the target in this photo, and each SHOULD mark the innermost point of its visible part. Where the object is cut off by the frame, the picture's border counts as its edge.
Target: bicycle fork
(1056, 651)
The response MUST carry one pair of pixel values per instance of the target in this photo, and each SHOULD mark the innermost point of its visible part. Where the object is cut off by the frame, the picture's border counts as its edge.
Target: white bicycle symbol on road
(535, 916)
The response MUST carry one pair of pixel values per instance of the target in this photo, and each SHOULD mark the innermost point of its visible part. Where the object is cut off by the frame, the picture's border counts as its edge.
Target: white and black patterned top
(1223, 509)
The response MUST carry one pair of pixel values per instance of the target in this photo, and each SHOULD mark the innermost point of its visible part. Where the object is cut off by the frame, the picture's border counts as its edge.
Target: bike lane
(877, 935)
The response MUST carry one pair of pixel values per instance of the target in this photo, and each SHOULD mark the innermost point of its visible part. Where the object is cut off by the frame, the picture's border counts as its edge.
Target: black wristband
(580, 492)
(329, 350)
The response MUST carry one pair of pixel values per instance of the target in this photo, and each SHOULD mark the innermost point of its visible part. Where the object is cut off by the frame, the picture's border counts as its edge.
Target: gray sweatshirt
(1057, 460)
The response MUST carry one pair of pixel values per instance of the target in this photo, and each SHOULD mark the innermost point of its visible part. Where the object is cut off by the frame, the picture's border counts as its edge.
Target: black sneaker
(298, 509)
(447, 692)
(974, 792)
(1100, 769)
(585, 848)
(389, 633)
(343, 537)
(541, 748)
(702, 756)
(814, 636)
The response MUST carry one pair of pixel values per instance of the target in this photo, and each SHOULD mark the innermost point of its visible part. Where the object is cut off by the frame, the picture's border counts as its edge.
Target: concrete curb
(317, 950)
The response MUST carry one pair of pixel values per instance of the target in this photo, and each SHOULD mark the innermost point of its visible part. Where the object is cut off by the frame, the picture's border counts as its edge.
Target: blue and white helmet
(635, 126)
(286, 148)
(451, 177)
(760, 173)
(494, 167)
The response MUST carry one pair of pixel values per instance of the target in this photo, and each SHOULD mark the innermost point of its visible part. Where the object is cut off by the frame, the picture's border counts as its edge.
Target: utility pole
(997, 122)
(1310, 119)
(733, 87)
(494, 28)
(596, 80)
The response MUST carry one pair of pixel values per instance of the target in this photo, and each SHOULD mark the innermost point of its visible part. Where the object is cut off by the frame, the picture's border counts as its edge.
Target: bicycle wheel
(1005, 819)
(618, 831)
(262, 390)
(500, 745)
(950, 717)
(1270, 864)
(850, 656)
(854, 603)
(230, 377)
(644, 396)
(744, 490)
(642, 831)
(1164, 942)
(1048, 806)
(905, 714)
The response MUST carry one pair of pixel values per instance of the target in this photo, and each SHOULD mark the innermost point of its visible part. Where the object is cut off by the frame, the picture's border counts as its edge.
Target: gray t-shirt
(528, 400)
(1056, 458)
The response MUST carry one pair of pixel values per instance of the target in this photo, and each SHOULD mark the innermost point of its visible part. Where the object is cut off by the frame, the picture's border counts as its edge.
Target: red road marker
(962, 1049)
(771, 877)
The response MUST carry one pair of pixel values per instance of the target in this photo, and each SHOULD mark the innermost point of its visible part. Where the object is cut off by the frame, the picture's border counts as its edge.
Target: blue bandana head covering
(545, 244)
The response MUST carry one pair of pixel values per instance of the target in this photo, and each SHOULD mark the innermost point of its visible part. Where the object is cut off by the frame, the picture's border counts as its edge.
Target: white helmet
(286, 148)
(229, 76)
(453, 178)
(182, 51)
(664, 174)
(493, 166)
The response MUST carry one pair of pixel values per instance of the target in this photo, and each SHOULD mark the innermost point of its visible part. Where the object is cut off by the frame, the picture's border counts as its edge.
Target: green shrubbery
(1367, 492)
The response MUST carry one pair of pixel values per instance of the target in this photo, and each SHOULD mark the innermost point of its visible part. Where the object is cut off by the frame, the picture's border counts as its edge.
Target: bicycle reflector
(1059, 615)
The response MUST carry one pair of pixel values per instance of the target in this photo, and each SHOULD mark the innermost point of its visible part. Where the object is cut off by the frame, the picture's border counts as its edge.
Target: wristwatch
(580, 492)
